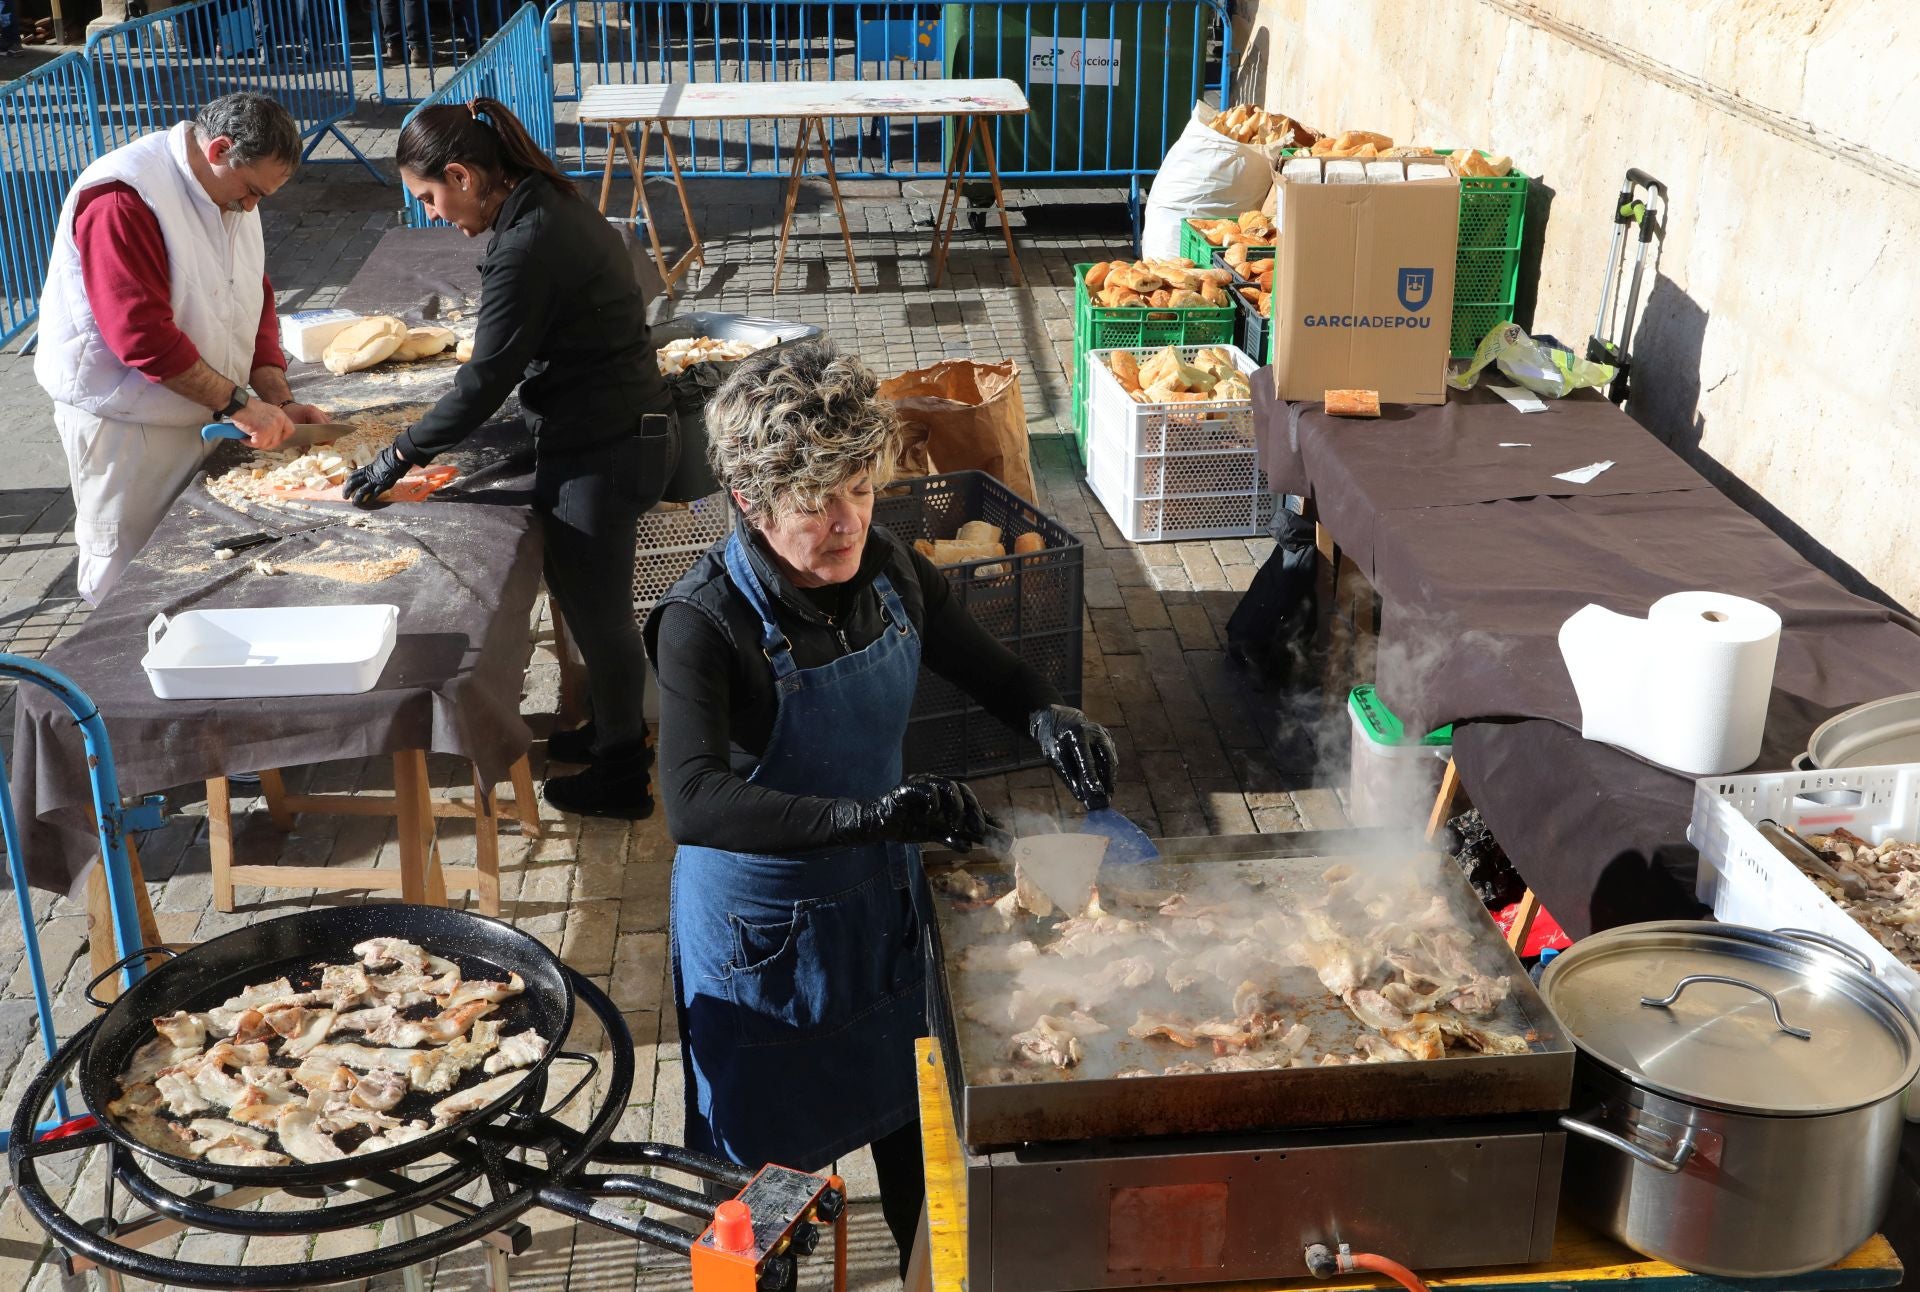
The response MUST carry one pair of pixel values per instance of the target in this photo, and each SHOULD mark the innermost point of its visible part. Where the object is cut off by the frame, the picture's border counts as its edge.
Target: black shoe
(574, 746)
(618, 790)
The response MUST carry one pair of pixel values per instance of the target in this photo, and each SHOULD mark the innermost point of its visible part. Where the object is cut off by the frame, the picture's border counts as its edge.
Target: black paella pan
(203, 976)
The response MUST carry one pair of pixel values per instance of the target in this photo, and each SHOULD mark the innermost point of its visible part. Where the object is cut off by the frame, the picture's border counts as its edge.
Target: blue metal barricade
(116, 819)
(49, 132)
(513, 67)
(154, 71)
(1111, 83)
(417, 44)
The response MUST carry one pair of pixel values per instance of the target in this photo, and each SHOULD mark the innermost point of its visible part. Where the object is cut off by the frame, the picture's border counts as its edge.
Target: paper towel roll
(1687, 687)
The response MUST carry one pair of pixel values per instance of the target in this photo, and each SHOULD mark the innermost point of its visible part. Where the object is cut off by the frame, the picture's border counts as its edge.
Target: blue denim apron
(800, 978)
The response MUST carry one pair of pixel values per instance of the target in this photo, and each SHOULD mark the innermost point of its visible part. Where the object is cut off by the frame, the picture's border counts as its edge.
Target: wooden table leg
(943, 237)
(411, 795)
(1443, 801)
(574, 706)
(640, 199)
(793, 198)
(526, 803)
(984, 126)
(486, 843)
(614, 129)
(274, 789)
(950, 189)
(697, 251)
(101, 948)
(833, 183)
(1523, 918)
(220, 841)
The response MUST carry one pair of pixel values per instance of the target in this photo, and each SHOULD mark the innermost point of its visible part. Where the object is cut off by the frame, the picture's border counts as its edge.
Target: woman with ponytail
(563, 319)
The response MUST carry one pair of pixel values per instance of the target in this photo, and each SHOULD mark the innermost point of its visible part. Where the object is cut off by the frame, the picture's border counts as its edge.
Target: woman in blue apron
(788, 659)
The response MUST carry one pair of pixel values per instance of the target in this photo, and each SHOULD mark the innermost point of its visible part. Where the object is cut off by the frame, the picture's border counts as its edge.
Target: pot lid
(1709, 1030)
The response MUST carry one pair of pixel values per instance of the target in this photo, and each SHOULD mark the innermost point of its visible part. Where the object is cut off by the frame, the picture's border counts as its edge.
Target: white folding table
(974, 104)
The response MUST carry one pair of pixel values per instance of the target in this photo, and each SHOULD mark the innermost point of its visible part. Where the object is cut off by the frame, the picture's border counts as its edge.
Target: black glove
(1079, 749)
(364, 486)
(927, 809)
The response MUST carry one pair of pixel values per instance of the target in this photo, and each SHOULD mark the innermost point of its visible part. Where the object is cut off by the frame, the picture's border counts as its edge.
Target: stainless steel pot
(1867, 735)
(1737, 1096)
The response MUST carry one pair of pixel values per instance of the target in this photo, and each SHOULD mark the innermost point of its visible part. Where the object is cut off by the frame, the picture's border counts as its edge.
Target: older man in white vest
(158, 315)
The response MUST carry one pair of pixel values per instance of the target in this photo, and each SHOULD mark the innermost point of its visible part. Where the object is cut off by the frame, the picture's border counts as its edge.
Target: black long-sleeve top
(562, 317)
(717, 700)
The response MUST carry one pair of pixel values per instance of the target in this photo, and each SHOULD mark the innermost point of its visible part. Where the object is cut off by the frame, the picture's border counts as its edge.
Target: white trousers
(125, 475)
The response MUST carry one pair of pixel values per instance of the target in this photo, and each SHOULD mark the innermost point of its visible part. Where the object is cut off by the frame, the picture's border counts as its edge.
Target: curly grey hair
(793, 425)
(261, 129)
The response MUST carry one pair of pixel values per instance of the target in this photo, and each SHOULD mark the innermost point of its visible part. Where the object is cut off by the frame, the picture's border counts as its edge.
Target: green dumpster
(1111, 85)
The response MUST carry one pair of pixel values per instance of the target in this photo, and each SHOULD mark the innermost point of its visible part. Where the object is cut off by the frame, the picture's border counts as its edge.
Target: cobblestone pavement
(1195, 741)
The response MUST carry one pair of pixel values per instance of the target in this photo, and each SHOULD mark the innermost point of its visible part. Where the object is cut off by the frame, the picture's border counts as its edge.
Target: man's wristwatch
(234, 405)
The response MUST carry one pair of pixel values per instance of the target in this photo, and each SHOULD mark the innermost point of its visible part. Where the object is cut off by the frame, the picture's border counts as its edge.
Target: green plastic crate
(1195, 247)
(1109, 327)
(1486, 269)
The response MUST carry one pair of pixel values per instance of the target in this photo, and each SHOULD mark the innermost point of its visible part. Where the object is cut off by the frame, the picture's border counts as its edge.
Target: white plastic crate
(1746, 880)
(1174, 471)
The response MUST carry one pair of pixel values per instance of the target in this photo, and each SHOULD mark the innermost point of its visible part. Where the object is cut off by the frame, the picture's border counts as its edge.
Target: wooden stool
(421, 877)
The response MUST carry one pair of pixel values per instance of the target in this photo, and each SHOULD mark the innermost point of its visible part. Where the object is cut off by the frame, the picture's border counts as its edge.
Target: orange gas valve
(754, 1239)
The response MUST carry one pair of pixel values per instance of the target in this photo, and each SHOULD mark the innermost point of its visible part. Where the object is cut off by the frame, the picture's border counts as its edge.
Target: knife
(303, 437)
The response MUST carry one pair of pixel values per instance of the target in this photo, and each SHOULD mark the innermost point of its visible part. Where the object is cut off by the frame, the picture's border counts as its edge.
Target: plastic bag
(1205, 176)
(1541, 366)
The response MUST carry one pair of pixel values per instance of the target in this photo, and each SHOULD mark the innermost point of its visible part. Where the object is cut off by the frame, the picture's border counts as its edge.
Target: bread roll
(363, 344)
(1097, 275)
(978, 531)
(1126, 370)
(1031, 541)
(423, 342)
(1353, 403)
(464, 351)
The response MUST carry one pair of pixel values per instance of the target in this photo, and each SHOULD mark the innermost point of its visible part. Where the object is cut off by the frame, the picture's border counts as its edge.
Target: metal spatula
(303, 437)
(1063, 866)
(1129, 843)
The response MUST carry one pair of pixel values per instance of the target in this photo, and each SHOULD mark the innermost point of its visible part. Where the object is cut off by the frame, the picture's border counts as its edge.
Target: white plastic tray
(248, 654)
(1746, 880)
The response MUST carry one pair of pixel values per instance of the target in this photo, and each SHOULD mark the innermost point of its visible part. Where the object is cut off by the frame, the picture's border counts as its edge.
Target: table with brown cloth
(1474, 590)
(454, 681)
(1354, 470)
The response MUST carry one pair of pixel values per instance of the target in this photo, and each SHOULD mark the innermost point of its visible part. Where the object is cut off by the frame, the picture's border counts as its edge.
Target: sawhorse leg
(812, 128)
(973, 129)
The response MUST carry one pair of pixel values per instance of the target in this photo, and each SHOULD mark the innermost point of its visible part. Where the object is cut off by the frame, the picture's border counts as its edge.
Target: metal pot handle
(1682, 1152)
(1666, 1002)
(1834, 945)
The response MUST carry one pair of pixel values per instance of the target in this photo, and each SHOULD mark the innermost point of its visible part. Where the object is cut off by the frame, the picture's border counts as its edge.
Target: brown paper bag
(973, 417)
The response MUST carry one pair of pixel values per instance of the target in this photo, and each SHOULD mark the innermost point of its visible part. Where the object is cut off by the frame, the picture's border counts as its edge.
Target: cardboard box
(1363, 289)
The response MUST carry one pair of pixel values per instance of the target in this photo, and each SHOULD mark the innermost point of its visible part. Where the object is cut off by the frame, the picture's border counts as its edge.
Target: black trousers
(1275, 618)
(589, 504)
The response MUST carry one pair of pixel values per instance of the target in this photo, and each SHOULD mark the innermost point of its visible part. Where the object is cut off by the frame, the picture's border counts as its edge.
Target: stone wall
(1780, 347)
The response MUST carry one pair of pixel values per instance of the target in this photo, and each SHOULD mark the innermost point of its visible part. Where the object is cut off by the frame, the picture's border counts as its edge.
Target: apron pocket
(837, 959)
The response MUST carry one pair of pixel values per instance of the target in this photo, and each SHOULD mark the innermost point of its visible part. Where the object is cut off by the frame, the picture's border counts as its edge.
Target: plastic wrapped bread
(1300, 170)
(1346, 171)
(1385, 172)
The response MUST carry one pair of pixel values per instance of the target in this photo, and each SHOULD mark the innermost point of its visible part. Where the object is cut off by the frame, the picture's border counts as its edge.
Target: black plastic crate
(1252, 331)
(1029, 602)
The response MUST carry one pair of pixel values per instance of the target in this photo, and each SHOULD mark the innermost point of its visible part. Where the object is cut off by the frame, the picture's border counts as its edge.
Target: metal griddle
(1088, 1181)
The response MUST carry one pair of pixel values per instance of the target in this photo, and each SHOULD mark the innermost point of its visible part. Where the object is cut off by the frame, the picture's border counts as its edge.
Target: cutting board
(419, 484)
